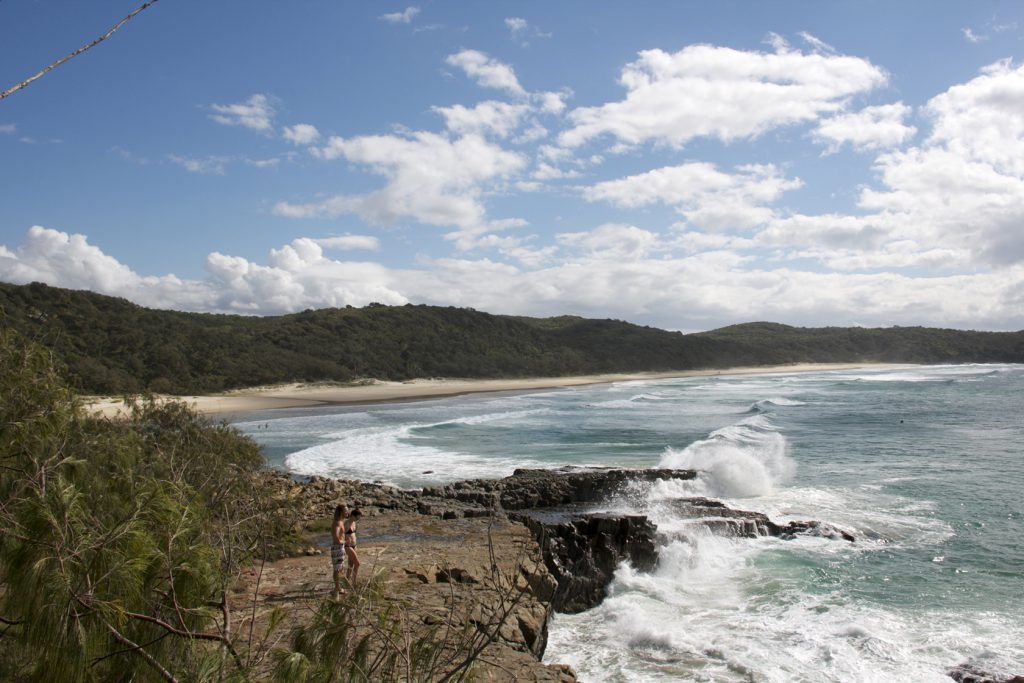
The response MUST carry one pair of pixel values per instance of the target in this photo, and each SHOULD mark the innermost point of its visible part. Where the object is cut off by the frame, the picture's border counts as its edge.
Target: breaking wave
(767, 404)
(742, 460)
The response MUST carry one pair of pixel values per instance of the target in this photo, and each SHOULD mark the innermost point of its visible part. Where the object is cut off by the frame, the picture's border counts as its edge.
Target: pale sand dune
(308, 395)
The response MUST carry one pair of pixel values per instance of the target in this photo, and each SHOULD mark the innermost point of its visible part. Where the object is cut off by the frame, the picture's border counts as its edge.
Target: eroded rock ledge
(582, 553)
(531, 488)
(575, 547)
(727, 521)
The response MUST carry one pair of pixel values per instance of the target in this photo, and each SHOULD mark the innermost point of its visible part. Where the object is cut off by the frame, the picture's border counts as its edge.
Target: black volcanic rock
(727, 521)
(583, 552)
(580, 550)
(811, 528)
(968, 674)
(532, 488)
(722, 519)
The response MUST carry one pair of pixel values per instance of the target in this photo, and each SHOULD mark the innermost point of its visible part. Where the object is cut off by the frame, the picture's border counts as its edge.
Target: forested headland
(112, 346)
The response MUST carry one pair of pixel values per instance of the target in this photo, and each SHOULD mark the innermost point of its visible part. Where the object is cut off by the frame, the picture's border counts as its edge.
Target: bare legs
(338, 565)
(353, 565)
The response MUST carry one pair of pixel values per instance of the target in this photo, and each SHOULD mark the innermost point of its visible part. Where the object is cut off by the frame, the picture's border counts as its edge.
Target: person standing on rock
(338, 547)
(349, 533)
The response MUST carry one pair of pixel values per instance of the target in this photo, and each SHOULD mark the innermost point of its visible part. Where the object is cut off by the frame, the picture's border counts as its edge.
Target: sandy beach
(376, 391)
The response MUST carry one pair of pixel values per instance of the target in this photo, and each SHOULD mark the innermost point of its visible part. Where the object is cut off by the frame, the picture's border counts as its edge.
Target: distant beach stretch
(376, 391)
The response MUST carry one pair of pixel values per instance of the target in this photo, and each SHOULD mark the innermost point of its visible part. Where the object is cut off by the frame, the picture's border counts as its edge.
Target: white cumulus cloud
(301, 134)
(552, 102)
(68, 260)
(404, 17)
(256, 113)
(973, 37)
(612, 241)
(347, 242)
(983, 119)
(705, 196)
(711, 91)
(264, 163)
(516, 25)
(618, 271)
(297, 276)
(499, 118)
(212, 165)
(430, 178)
(954, 202)
(487, 71)
(877, 127)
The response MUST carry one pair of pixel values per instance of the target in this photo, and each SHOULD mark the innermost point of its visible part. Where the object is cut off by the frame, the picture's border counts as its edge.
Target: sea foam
(397, 455)
(738, 461)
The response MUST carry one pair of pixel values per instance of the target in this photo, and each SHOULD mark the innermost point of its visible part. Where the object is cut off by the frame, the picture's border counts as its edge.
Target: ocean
(923, 464)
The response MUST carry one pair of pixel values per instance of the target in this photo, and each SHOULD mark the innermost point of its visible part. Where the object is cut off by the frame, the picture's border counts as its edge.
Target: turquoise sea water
(925, 465)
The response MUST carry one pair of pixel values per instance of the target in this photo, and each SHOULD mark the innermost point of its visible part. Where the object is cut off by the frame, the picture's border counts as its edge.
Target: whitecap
(742, 460)
(389, 454)
(616, 404)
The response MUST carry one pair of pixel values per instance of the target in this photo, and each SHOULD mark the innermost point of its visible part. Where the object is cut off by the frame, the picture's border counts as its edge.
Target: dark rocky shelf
(553, 518)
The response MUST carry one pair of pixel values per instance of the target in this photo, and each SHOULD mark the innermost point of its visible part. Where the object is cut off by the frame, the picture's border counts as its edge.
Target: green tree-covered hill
(112, 346)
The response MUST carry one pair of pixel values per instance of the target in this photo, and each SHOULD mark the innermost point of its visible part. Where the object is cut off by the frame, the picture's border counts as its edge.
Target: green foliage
(120, 538)
(345, 641)
(784, 344)
(111, 346)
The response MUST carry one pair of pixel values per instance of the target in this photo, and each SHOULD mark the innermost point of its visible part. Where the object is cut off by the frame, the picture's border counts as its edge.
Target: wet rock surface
(582, 553)
(727, 521)
(970, 674)
(531, 488)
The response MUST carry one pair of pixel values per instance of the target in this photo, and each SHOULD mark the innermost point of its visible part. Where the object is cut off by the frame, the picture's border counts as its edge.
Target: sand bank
(376, 391)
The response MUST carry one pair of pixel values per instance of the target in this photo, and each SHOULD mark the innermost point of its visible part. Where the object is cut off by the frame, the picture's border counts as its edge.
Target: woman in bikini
(338, 546)
(349, 532)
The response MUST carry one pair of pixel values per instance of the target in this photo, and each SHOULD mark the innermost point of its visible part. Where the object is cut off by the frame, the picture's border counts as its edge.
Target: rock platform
(437, 570)
(458, 552)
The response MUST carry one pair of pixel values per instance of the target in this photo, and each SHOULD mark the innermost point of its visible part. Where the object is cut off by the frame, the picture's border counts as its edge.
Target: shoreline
(300, 395)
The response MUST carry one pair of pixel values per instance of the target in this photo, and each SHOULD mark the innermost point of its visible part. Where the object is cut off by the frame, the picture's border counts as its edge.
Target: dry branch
(164, 673)
(77, 52)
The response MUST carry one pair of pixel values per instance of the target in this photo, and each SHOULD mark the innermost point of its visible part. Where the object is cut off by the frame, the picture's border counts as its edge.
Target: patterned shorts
(337, 557)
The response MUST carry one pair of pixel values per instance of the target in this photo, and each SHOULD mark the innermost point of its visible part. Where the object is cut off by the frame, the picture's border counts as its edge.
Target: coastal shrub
(121, 539)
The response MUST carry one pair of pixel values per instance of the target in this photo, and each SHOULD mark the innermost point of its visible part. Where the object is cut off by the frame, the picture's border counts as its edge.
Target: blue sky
(685, 165)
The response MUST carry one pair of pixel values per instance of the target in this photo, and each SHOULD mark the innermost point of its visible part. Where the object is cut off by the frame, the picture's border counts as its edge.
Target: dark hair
(357, 513)
(339, 512)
